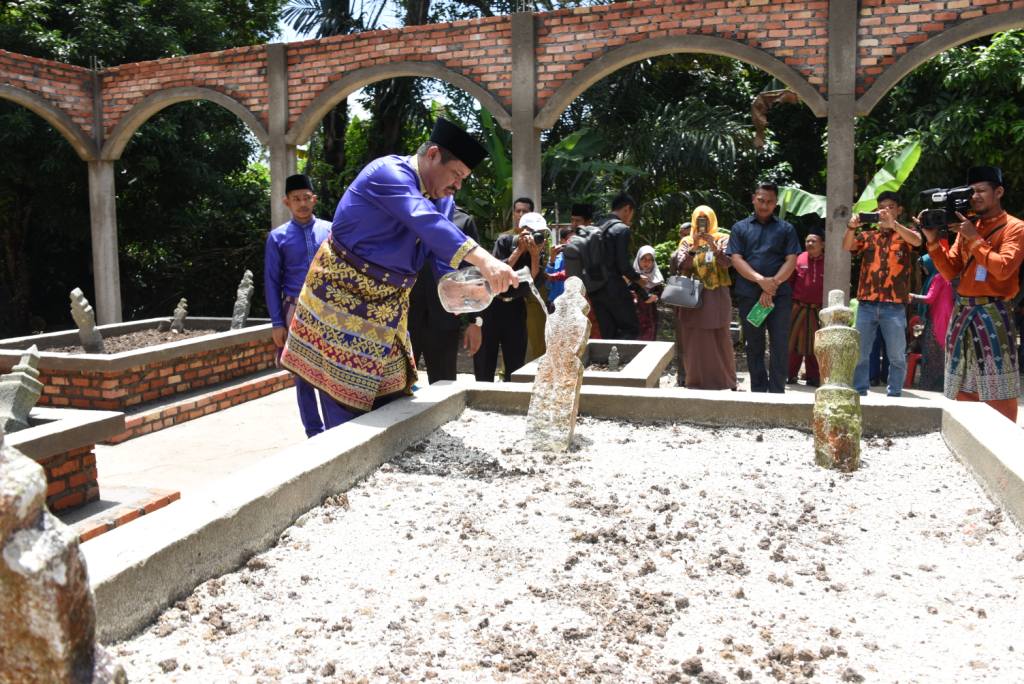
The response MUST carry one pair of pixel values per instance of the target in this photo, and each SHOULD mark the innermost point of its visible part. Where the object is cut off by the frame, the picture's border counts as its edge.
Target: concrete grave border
(139, 570)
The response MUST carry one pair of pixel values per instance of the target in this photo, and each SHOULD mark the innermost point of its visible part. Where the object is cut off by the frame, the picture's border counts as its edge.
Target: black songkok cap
(982, 174)
(584, 210)
(299, 181)
(452, 138)
(817, 230)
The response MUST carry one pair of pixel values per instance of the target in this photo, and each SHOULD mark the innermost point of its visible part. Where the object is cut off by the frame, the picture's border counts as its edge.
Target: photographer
(986, 257)
(504, 321)
(883, 288)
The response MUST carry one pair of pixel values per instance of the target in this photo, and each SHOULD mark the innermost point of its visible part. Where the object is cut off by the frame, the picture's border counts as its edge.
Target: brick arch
(934, 46)
(72, 132)
(304, 126)
(143, 110)
(615, 59)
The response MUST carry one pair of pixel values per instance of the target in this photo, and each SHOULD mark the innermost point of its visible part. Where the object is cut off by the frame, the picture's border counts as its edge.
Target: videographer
(986, 257)
(883, 288)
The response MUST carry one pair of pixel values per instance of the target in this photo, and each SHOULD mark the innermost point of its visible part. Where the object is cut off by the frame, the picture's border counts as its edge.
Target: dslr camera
(944, 203)
(539, 236)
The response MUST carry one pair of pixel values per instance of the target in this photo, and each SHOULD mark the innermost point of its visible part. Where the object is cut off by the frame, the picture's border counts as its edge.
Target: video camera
(945, 204)
(539, 236)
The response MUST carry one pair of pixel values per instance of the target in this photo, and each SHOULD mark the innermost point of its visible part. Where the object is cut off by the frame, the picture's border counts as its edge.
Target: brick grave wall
(127, 388)
(71, 478)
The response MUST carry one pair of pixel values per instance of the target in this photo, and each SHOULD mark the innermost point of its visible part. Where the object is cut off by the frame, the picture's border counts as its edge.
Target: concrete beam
(106, 271)
(84, 147)
(526, 159)
(282, 154)
(842, 83)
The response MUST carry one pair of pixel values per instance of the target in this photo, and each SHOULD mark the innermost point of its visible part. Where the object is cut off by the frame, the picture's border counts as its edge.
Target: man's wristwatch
(478, 321)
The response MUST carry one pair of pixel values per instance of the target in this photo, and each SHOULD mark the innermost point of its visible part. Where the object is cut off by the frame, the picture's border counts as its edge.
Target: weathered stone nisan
(243, 301)
(19, 391)
(180, 314)
(85, 319)
(47, 612)
(613, 360)
(837, 412)
(555, 402)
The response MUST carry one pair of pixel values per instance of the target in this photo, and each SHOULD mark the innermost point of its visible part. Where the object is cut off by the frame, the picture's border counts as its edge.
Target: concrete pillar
(282, 155)
(842, 82)
(106, 271)
(526, 165)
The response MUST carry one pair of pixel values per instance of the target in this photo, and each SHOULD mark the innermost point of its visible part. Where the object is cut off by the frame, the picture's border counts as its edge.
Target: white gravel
(651, 553)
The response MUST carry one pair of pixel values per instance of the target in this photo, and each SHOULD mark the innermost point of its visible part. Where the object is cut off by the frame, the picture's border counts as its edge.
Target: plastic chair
(912, 361)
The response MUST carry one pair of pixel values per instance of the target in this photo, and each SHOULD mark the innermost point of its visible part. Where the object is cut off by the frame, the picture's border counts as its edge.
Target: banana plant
(890, 177)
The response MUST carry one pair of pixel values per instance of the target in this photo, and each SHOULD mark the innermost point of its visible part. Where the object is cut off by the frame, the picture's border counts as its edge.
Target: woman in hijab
(652, 283)
(708, 358)
(939, 299)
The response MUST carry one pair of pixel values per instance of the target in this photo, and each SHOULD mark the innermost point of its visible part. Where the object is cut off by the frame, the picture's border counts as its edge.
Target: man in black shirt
(613, 303)
(504, 321)
(434, 331)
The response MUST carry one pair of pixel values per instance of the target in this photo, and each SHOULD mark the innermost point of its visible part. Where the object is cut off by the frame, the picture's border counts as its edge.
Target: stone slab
(56, 430)
(645, 362)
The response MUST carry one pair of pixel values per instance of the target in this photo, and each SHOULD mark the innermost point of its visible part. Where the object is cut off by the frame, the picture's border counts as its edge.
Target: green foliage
(663, 254)
(191, 210)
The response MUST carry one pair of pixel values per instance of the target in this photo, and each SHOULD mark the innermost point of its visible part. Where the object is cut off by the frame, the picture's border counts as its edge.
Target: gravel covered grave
(654, 552)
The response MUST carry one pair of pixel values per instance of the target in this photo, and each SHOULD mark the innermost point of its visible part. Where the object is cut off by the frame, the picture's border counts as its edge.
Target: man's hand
(930, 234)
(472, 338)
(967, 228)
(766, 299)
(280, 335)
(886, 218)
(854, 221)
(499, 275)
(769, 286)
(650, 300)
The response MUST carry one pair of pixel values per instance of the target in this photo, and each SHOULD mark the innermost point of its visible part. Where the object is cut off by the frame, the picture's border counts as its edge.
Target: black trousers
(776, 325)
(440, 350)
(615, 311)
(504, 326)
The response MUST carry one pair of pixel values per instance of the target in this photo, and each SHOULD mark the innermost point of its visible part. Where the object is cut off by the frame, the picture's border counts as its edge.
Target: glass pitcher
(467, 291)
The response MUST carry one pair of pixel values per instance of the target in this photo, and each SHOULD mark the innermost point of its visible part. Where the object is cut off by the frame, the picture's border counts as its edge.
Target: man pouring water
(349, 335)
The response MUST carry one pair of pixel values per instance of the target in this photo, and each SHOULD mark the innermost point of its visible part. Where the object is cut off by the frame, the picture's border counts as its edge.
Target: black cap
(817, 230)
(299, 181)
(452, 138)
(983, 174)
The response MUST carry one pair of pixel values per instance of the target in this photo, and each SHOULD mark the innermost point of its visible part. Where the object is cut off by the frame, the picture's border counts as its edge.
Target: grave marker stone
(243, 301)
(180, 313)
(555, 401)
(19, 391)
(48, 611)
(837, 413)
(85, 319)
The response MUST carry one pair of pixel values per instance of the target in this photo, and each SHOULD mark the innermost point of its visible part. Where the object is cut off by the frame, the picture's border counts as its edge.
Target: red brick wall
(239, 73)
(794, 32)
(123, 389)
(71, 478)
(888, 29)
(67, 87)
(480, 49)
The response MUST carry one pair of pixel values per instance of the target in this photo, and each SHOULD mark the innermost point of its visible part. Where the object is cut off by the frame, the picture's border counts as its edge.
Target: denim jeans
(891, 319)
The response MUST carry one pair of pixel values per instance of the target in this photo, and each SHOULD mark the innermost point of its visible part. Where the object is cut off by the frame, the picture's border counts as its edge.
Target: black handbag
(682, 291)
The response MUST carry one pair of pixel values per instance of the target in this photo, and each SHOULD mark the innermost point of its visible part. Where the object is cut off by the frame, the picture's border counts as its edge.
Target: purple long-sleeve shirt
(385, 218)
(289, 252)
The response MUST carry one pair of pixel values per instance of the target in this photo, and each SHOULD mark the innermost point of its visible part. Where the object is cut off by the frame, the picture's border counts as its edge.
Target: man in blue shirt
(763, 249)
(289, 252)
